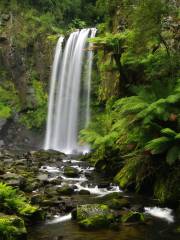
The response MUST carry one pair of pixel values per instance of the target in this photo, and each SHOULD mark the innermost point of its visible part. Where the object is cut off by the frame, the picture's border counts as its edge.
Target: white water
(98, 191)
(50, 119)
(58, 219)
(68, 83)
(164, 213)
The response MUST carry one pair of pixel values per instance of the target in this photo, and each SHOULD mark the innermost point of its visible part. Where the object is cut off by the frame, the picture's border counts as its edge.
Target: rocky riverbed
(76, 200)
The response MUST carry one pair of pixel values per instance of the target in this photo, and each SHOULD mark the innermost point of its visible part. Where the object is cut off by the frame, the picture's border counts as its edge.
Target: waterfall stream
(69, 97)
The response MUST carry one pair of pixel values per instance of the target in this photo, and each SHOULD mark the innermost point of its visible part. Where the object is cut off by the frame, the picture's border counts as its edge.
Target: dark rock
(84, 192)
(118, 203)
(71, 172)
(36, 198)
(65, 190)
(5, 17)
(131, 217)
(103, 185)
(137, 208)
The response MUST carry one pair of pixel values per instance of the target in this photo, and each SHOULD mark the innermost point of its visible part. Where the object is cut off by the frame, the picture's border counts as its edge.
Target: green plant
(36, 117)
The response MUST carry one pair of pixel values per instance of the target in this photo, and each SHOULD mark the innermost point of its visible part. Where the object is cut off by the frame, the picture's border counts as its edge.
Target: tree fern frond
(168, 132)
(158, 145)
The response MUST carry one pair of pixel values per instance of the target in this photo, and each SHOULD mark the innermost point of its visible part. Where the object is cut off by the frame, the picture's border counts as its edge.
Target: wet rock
(30, 186)
(5, 17)
(20, 162)
(137, 208)
(103, 185)
(13, 179)
(114, 195)
(71, 172)
(65, 190)
(93, 216)
(45, 155)
(42, 177)
(36, 198)
(118, 204)
(84, 192)
(132, 217)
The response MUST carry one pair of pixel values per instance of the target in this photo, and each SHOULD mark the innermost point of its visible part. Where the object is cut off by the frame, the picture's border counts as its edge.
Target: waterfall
(69, 82)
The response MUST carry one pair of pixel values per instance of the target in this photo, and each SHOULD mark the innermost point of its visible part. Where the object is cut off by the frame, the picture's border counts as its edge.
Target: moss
(9, 101)
(94, 216)
(36, 117)
(12, 228)
(97, 222)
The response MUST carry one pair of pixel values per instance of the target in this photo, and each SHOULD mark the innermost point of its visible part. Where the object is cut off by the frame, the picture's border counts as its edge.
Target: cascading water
(69, 82)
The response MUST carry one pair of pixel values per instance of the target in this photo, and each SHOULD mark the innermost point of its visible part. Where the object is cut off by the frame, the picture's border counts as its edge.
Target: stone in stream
(118, 204)
(65, 190)
(71, 172)
(84, 192)
(132, 217)
(42, 177)
(94, 216)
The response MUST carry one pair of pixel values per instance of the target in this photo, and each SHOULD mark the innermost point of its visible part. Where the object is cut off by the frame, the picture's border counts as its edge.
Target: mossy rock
(44, 155)
(118, 204)
(65, 190)
(93, 216)
(113, 195)
(71, 172)
(32, 213)
(132, 217)
(12, 228)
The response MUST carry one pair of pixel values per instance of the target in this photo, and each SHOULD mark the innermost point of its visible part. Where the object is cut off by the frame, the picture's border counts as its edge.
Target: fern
(158, 145)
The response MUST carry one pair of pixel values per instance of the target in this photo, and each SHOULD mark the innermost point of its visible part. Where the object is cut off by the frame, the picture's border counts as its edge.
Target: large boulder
(94, 216)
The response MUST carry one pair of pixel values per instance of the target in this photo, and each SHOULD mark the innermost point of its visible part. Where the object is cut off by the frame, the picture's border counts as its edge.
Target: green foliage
(11, 227)
(12, 200)
(145, 128)
(9, 101)
(36, 117)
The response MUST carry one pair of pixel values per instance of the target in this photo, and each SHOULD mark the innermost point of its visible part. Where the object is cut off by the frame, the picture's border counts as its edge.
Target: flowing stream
(70, 88)
(62, 227)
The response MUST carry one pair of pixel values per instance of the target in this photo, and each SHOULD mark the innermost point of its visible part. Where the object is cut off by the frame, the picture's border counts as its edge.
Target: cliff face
(26, 49)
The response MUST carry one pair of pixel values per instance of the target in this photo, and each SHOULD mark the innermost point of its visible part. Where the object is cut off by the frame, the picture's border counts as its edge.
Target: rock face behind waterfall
(70, 85)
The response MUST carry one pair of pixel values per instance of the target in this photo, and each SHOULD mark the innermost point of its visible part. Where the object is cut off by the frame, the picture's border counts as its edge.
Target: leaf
(173, 154)
(158, 145)
(169, 132)
(177, 136)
